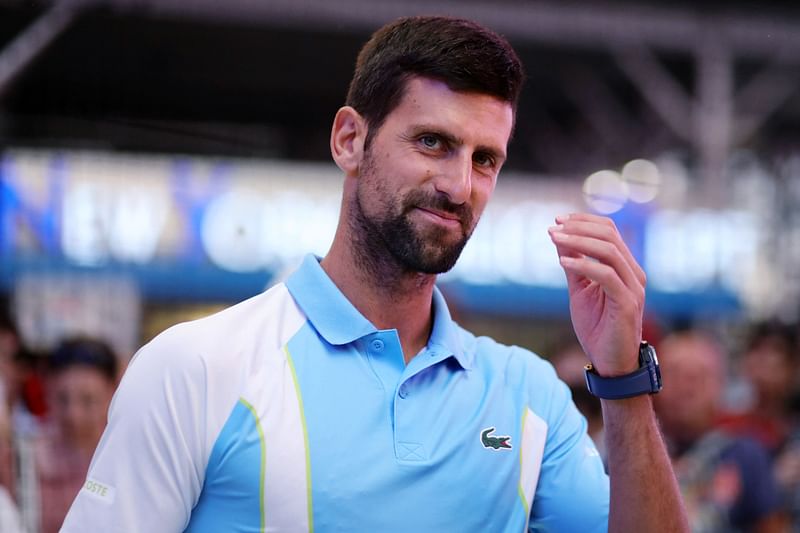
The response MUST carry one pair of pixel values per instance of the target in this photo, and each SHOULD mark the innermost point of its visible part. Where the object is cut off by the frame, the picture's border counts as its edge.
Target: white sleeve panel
(179, 390)
(148, 469)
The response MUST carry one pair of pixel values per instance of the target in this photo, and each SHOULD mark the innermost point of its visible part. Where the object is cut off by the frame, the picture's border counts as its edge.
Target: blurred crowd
(729, 414)
(52, 415)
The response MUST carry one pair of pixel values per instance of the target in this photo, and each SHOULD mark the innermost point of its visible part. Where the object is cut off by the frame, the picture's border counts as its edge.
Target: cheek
(482, 189)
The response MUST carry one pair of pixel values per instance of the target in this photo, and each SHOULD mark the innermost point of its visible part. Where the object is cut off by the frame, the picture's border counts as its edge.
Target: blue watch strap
(636, 383)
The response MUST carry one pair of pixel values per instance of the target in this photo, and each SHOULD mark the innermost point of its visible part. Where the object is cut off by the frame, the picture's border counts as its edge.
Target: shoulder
(520, 368)
(268, 318)
(216, 354)
(514, 360)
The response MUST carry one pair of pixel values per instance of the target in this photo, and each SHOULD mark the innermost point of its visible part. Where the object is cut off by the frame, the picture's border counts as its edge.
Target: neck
(388, 295)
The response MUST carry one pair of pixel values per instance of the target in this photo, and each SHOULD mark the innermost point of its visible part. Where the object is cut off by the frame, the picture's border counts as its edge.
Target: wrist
(645, 379)
(608, 371)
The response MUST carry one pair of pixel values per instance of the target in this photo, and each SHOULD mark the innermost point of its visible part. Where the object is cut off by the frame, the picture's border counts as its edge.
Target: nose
(456, 179)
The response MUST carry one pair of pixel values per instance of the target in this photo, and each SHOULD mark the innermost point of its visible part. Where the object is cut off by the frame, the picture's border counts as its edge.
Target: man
(346, 399)
(82, 377)
(726, 480)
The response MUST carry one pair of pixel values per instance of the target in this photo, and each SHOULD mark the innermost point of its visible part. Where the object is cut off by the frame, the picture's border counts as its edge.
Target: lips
(442, 217)
(440, 210)
(441, 214)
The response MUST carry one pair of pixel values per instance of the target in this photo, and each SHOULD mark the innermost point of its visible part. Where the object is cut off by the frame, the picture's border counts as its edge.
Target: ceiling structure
(606, 82)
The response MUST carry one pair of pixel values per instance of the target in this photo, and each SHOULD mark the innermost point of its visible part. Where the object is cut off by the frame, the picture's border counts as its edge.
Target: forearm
(644, 493)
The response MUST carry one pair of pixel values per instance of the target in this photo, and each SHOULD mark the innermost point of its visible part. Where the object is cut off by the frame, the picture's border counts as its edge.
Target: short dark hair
(84, 351)
(462, 54)
(779, 336)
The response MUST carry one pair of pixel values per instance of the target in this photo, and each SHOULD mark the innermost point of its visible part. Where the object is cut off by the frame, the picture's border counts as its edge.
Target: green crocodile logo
(496, 443)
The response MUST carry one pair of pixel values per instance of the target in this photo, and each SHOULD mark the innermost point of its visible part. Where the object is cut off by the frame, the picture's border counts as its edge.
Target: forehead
(79, 376)
(429, 101)
(691, 355)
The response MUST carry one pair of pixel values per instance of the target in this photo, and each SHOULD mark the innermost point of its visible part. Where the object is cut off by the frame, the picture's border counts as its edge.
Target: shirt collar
(339, 322)
(445, 337)
(328, 310)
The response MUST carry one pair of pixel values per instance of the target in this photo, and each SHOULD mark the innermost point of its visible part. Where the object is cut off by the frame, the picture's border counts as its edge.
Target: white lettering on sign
(267, 215)
(138, 221)
(244, 231)
(85, 214)
(101, 222)
(231, 231)
(511, 244)
(686, 251)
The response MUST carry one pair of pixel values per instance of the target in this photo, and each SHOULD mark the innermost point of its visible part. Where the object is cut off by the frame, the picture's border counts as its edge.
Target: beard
(391, 238)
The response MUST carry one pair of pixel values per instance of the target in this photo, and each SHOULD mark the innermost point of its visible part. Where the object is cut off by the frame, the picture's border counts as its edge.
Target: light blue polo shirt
(292, 412)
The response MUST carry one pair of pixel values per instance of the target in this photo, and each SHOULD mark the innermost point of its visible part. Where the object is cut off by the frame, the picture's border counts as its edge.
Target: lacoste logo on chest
(495, 442)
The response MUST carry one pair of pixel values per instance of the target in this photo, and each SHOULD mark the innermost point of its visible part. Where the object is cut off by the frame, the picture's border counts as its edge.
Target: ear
(347, 140)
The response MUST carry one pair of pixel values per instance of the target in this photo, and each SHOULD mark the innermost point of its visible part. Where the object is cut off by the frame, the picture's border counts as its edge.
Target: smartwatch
(645, 380)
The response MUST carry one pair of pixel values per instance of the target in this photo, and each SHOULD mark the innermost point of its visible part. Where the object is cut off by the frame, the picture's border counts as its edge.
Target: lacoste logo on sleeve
(495, 442)
(99, 491)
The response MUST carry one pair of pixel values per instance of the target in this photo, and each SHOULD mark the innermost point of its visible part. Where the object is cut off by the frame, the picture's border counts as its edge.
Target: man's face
(770, 369)
(428, 174)
(693, 381)
(80, 399)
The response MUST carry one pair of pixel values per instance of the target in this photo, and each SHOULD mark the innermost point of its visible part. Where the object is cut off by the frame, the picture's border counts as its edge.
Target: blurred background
(161, 159)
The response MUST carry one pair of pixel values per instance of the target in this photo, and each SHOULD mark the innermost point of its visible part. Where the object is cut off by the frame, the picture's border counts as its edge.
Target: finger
(600, 250)
(608, 279)
(573, 279)
(601, 228)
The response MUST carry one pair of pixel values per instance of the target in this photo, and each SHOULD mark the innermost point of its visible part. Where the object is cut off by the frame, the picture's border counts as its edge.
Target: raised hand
(606, 290)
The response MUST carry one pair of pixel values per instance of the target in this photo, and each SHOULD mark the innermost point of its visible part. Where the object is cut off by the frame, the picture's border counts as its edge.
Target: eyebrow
(498, 155)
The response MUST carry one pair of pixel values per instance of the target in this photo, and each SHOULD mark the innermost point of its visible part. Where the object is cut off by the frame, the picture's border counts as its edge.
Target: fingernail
(553, 229)
(566, 260)
(562, 218)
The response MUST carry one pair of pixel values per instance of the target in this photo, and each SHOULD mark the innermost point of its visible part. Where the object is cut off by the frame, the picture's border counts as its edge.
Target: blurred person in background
(770, 365)
(21, 370)
(17, 426)
(726, 480)
(10, 519)
(9, 344)
(82, 377)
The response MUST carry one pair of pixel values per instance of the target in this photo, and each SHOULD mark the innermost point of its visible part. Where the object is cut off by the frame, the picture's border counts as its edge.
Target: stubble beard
(390, 245)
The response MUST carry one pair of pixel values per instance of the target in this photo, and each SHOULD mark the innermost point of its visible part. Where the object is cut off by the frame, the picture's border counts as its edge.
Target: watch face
(650, 359)
(653, 355)
(648, 353)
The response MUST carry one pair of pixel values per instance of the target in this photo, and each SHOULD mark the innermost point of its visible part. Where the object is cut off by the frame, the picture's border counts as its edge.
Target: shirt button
(403, 391)
(377, 345)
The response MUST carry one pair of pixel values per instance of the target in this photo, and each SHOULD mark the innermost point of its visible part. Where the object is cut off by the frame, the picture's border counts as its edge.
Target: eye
(431, 141)
(483, 160)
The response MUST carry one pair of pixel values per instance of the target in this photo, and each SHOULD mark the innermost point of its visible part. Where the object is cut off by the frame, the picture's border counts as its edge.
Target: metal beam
(585, 25)
(33, 40)
(762, 96)
(658, 87)
(713, 115)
